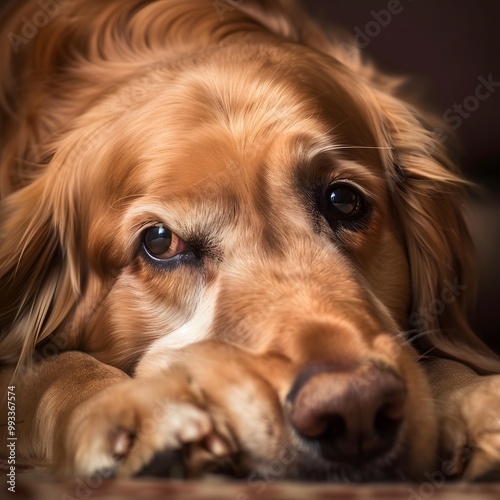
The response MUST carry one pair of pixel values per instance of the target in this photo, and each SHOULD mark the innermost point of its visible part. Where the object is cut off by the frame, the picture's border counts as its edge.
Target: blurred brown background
(448, 47)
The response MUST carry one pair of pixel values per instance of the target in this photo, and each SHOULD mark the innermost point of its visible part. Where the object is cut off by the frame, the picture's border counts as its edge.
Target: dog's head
(268, 192)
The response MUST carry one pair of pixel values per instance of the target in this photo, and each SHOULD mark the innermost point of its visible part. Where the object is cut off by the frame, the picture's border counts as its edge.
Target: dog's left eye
(342, 204)
(161, 243)
(344, 201)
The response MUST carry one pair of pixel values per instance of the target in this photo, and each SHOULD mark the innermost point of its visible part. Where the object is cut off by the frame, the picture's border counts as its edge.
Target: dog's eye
(342, 204)
(344, 201)
(161, 243)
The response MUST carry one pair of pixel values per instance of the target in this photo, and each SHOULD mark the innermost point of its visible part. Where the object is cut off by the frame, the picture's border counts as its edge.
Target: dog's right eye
(161, 243)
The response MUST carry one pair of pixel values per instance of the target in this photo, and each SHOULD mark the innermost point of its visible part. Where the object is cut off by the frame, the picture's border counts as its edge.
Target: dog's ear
(428, 196)
(39, 280)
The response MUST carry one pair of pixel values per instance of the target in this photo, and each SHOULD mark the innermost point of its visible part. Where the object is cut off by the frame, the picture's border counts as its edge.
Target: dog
(229, 244)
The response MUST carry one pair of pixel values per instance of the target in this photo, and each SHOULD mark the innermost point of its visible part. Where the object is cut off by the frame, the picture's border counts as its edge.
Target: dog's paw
(125, 429)
(471, 429)
(210, 411)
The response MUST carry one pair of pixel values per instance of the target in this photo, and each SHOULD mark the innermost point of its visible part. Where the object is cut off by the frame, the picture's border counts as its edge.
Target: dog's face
(263, 194)
(248, 202)
(239, 203)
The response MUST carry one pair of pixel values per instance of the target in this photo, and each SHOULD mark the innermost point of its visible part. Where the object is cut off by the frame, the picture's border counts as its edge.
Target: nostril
(335, 430)
(336, 433)
(387, 421)
(386, 429)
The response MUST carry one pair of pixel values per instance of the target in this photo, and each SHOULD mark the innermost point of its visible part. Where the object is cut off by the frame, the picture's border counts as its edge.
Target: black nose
(355, 416)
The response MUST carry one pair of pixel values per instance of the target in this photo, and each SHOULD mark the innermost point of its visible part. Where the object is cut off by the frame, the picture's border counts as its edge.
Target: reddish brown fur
(163, 112)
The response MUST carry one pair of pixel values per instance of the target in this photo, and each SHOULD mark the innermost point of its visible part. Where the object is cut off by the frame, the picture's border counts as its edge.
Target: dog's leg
(469, 409)
(212, 410)
(46, 395)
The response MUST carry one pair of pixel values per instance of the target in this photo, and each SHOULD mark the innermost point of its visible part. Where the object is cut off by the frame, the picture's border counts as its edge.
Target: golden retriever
(228, 243)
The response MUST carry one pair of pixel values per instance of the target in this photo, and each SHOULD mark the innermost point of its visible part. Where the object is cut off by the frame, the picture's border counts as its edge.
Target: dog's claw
(123, 443)
(217, 445)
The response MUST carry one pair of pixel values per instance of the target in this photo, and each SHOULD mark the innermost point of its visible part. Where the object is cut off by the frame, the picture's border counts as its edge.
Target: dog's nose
(355, 417)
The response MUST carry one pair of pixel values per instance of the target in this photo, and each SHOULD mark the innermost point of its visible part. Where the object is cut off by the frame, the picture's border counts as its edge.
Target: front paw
(471, 429)
(121, 430)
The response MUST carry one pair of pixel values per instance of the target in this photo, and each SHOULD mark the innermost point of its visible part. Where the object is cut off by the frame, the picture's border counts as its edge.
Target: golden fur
(123, 114)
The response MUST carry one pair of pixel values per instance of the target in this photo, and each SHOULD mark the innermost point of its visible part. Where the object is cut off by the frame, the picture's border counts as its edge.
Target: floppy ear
(40, 275)
(428, 195)
(39, 283)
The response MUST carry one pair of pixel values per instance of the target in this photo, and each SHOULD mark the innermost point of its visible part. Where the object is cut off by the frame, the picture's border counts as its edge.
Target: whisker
(340, 147)
(364, 147)
(425, 354)
(419, 334)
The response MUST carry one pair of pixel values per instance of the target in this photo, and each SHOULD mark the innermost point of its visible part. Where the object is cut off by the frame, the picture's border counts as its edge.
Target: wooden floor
(43, 489)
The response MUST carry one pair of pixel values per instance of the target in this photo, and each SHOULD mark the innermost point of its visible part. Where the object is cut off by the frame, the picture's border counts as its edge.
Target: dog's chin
(392, 466)
(291, 466)
(380, 470)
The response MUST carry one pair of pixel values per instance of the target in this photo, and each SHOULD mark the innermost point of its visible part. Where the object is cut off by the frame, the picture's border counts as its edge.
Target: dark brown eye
(161, 243)
(343, 206)
(343, 201)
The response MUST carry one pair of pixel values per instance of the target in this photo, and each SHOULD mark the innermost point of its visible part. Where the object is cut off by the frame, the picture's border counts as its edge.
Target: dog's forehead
(223, 140)
(224, 125)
